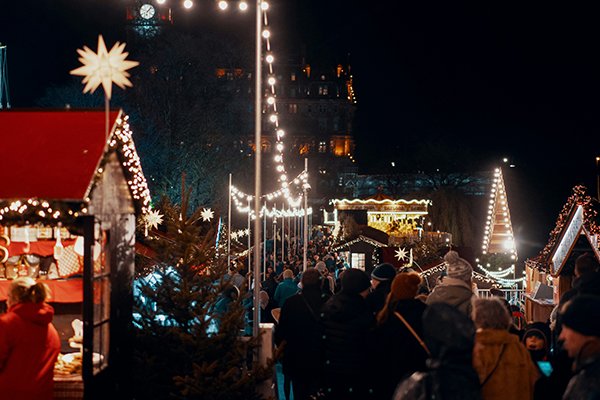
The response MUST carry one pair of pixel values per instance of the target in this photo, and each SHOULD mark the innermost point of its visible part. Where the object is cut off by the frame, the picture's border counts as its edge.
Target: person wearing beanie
(456, 290)
(381, 281)
(394, 351)
(346, 320)
(580, 320)
(286, 288)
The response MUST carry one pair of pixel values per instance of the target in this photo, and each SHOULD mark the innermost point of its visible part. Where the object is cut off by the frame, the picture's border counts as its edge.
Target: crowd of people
(347, 335)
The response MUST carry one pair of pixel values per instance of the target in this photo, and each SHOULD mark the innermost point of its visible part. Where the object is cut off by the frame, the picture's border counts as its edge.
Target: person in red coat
(29, 343)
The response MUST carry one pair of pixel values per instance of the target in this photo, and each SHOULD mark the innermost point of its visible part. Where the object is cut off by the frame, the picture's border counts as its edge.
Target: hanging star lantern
(207, 214)
(153, 219)
(401, 254)
(234, 235)
(104, 68)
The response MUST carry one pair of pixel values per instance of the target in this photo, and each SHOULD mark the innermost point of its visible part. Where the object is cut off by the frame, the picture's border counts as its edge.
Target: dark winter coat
(285, 289)
(346, 320)
(450, 337)
(376, 299)
(394, 352)
(585, 385)
(29, 347)
(298, 324)
(455, 293)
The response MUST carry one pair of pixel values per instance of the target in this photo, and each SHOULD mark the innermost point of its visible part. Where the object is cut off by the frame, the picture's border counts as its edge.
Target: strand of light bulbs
(269, 58)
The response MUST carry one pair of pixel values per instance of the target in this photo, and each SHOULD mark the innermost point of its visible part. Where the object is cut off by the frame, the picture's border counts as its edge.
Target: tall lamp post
(258, 141)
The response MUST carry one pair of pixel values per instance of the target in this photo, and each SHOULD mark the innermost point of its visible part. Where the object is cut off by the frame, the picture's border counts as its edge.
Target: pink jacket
(29, 347)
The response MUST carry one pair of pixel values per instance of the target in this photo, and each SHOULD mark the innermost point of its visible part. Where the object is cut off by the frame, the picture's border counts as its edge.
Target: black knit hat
(582, 314)
(384, 272)
(355, 281)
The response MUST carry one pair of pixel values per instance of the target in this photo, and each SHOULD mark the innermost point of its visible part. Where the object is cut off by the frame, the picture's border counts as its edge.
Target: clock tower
(147, 17)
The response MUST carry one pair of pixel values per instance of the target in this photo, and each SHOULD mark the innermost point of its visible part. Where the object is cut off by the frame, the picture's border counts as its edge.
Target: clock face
(146, 11)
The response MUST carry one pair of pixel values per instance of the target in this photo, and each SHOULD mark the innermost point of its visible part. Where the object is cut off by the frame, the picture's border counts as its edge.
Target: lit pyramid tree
(189, 317)
(499, 252)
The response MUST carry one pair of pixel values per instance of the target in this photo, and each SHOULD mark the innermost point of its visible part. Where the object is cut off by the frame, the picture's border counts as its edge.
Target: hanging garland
(589, 222)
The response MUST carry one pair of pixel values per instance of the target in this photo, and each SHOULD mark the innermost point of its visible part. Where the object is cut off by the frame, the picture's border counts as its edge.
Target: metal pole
(265, 242)
(305, 217)
(275, 236)
(249, 236)
(229, 228)
(283, 234)
(257, 166)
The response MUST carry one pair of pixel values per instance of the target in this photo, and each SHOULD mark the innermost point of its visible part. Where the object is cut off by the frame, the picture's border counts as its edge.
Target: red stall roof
(51, 153)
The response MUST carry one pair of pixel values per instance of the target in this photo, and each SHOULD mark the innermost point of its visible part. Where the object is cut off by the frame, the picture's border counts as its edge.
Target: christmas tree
(189, 316)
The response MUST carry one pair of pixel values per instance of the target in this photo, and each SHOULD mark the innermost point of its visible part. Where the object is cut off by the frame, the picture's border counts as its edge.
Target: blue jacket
(285, 289)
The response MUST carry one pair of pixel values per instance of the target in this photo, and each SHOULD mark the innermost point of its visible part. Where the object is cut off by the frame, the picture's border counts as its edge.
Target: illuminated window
(292, 108)
(322, 147)
(358, 260)
(325, 90)
(322, 77)
(293, 76)
(320, 90)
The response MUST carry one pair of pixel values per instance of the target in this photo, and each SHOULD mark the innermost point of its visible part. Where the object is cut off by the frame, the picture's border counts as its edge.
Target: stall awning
(49, 154)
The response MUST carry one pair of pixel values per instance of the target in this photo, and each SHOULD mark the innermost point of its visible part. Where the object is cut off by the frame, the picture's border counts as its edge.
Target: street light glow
(222, 5)
(188, 3)
(160, 1)
(264, 5)
(243, 6)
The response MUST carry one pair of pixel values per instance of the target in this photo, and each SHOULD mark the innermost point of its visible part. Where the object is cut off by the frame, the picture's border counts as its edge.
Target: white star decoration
(105, 67)
(207, 214)
(401, 254)
(153, 219)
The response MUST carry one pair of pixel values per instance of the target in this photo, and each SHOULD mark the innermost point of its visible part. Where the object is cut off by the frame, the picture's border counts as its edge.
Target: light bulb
(271, 100)
(270, 58)
(222, 5)
(243, 6)
(273, 118)
(264, 5)
(188, 3)
(266, 34)
(271, 81)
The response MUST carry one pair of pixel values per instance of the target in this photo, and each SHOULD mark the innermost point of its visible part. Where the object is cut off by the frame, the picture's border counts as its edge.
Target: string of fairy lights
(52, 212)
(241, 199)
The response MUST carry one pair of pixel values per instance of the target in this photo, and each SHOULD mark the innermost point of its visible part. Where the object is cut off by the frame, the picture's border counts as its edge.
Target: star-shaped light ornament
(401, 254)
(153, 219)
(104, 68)
(207, 214)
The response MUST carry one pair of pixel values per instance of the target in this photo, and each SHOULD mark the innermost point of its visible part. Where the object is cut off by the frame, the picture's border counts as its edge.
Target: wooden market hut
(61, 169)
(549, 275)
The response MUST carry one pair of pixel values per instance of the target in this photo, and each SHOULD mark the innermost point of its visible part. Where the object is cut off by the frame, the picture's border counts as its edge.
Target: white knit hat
(458, 268)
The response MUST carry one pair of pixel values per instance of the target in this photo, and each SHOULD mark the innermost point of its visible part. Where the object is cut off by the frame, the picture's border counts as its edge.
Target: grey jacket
(454, 292)
(585, 385)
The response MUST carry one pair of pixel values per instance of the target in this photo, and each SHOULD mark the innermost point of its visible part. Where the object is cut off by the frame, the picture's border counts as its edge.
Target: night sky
(504, 79)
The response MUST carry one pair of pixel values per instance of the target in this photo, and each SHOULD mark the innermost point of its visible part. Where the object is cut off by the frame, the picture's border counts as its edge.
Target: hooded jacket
(454, 292)
(449, 335)
(29, 347)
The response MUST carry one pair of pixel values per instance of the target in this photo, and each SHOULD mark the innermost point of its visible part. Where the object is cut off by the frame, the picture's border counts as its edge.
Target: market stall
(549, 275)
(69, 195)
